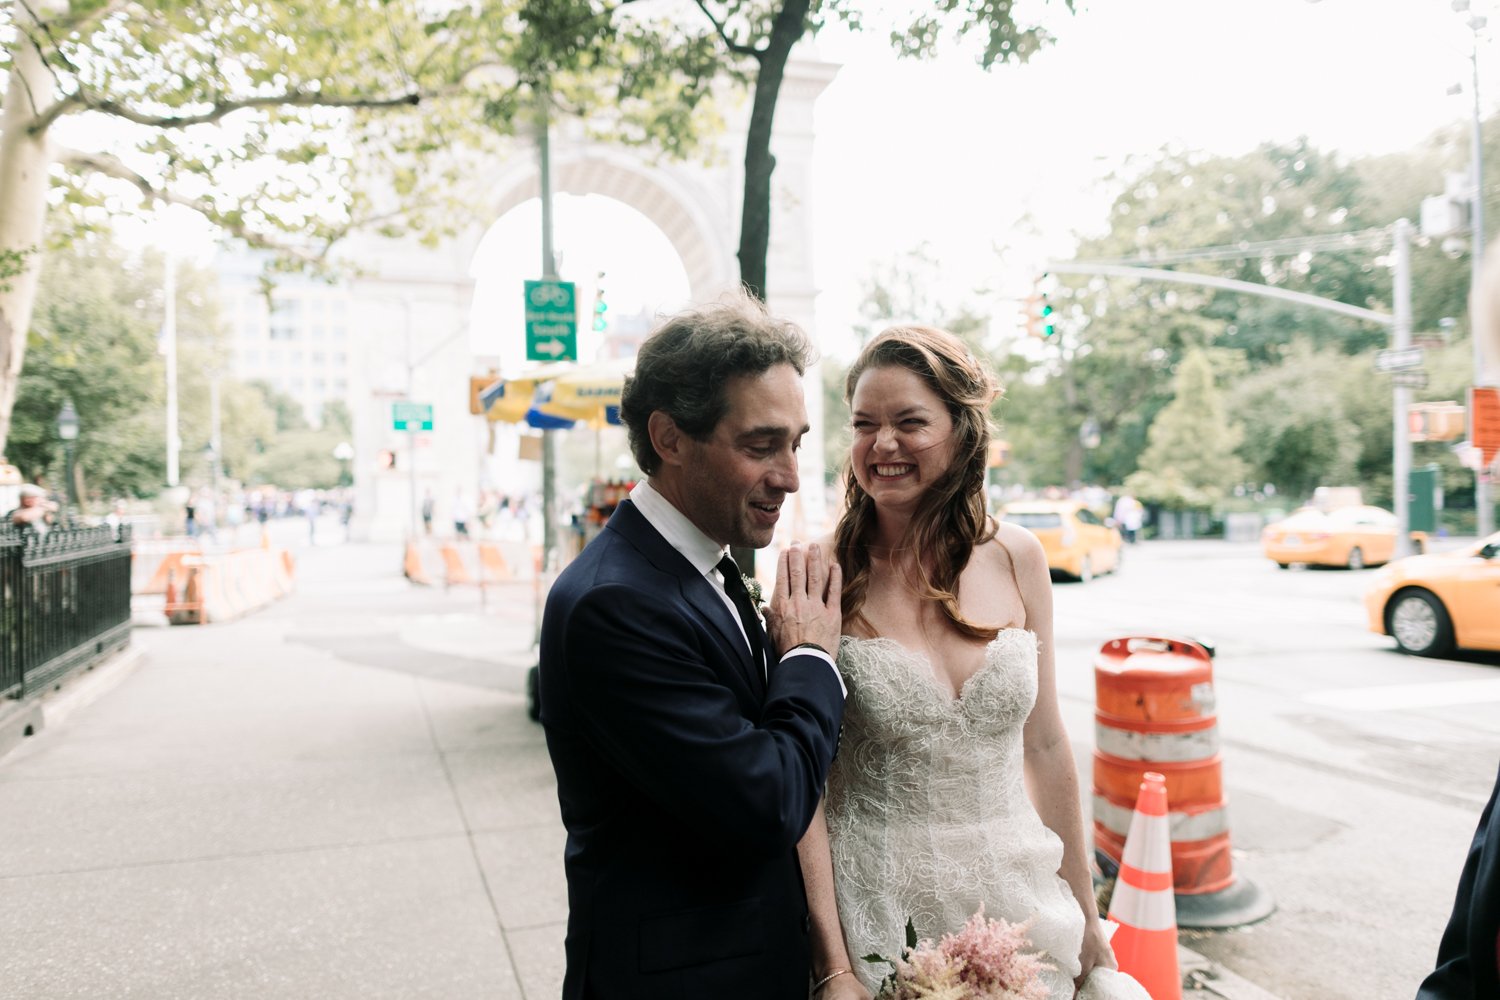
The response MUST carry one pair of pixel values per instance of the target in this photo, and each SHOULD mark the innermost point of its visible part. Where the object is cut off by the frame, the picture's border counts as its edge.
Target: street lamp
(67, 430)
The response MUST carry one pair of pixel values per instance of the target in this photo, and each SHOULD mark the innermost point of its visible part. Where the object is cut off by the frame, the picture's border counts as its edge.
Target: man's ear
(667, 438)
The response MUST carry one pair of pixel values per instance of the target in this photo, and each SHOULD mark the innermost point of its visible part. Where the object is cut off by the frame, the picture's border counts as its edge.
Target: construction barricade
(224, 586)
(154, 560)
(1154, 711)
(458, 563)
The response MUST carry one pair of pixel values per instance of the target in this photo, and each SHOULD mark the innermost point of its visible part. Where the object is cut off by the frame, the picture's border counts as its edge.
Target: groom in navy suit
(690, 744)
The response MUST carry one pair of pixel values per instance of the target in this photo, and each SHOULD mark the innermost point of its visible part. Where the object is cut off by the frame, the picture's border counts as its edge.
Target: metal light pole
(1483, 504)
(169, 349)
(549, 273)
(67, 430)
(1401, 403)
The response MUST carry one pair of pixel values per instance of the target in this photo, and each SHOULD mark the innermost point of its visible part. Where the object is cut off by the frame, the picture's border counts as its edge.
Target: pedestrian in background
(36, 512)
(428, 504)
(1129, 514)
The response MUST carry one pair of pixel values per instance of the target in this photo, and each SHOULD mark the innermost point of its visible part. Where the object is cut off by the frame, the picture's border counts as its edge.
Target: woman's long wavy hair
(951, 518)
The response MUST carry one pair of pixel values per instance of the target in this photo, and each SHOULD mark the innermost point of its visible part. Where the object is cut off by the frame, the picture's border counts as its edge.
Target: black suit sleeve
(649, 700)
(1468, 967)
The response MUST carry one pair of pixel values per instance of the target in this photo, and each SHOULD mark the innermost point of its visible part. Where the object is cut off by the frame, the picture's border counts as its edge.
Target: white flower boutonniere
(752, 586)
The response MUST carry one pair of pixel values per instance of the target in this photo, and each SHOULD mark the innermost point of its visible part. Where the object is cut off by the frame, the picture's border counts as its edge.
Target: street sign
(411, 416)
(551, 321)
(1403, 360)
(1484, 422)
(1416, 379)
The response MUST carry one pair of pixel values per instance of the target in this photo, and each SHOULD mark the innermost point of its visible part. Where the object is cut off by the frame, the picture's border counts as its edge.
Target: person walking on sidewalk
(1468, 959)
(691, 745)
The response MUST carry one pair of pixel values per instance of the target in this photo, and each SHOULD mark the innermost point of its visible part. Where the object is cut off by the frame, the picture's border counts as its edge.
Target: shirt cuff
(826, 658)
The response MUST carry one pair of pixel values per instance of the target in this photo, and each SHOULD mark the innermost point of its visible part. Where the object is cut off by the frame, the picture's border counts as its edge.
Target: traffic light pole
(549, 273)
(1483, 504)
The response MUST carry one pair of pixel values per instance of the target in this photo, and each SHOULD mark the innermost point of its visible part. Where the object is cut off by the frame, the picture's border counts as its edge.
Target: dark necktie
(734, 586)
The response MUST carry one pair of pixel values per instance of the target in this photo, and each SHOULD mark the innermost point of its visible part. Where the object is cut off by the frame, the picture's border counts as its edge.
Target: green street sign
(411, 416)
(551, 321)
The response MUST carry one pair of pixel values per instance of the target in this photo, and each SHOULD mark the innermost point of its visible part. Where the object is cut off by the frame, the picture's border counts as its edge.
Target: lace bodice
(927, 810)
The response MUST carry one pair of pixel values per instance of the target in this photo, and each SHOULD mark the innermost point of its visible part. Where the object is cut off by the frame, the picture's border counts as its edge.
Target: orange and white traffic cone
(1146, 942)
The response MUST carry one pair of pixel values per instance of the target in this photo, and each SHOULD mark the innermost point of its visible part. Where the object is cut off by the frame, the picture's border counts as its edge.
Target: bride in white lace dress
(952, 714)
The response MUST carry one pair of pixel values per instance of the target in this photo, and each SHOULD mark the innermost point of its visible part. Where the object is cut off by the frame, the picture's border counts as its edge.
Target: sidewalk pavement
(340, 796)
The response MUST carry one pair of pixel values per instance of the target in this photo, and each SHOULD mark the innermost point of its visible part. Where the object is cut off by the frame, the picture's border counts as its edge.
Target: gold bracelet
(829, 978)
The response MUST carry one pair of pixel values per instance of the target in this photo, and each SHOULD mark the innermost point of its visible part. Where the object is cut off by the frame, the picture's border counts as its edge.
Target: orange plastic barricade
(492, 564)
(1154, 711)
(411, 566)
(1146, 942)
(454, 570)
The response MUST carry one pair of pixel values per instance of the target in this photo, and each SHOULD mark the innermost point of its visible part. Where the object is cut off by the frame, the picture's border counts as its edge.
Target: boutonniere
(752, 587)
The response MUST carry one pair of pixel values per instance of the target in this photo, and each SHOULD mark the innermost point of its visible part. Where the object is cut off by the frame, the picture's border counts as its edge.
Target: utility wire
(1286, 247)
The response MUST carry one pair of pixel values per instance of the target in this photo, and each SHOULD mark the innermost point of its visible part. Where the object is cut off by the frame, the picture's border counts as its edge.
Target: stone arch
(670, 199)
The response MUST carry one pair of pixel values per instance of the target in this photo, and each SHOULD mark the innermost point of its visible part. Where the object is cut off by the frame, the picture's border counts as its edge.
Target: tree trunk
(25, 158)
(755, 214)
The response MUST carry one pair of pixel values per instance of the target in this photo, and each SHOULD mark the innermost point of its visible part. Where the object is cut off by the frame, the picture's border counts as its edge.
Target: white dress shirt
(703, 554)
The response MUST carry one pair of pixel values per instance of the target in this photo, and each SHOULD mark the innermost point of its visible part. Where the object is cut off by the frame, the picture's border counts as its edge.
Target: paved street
(340, 796)
(1355, 774)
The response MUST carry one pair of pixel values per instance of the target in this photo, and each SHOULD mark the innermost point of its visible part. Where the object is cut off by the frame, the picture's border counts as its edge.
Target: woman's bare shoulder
(1019, 545)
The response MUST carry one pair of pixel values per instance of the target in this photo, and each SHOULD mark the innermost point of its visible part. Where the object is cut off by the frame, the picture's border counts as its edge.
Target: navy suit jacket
(685, 777)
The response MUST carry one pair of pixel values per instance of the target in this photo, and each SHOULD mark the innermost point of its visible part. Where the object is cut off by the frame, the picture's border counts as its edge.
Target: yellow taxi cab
(1431, 604)
(1355, 537)
(1076, 540)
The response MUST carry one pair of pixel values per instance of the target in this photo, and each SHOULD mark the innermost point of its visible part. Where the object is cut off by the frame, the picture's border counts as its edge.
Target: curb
(1203, 977)
(22, 719)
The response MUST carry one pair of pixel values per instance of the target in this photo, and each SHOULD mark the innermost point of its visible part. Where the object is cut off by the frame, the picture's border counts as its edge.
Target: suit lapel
(696, 589)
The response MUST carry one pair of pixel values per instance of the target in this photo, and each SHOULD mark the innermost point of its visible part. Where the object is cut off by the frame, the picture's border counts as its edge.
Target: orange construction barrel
(1154, 711)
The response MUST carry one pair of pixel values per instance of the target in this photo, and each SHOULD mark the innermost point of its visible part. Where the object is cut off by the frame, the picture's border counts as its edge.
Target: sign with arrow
(411, 416)
(1403, 359)
(551, 321)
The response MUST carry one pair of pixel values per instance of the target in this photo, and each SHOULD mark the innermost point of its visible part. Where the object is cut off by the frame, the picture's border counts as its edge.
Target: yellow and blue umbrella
(561, 397)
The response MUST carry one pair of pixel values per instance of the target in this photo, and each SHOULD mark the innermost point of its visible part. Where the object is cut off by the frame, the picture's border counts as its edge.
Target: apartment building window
(286, 316)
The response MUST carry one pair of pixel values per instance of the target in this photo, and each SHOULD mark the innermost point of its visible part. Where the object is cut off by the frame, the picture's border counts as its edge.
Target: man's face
(733, 484)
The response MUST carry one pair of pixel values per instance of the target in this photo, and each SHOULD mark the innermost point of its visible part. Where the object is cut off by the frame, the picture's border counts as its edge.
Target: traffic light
(1443, 421)
(600, 306)
(1040, 321)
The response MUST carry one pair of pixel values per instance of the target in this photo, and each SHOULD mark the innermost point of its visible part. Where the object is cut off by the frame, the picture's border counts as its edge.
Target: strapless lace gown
(928, 815)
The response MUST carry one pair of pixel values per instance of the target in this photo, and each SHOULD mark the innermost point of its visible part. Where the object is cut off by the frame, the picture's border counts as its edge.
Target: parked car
(1431, 604)
(1077, 541)
(1355, 537)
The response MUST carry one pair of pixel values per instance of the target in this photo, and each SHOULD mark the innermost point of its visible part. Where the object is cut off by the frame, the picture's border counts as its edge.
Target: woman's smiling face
(903, 436)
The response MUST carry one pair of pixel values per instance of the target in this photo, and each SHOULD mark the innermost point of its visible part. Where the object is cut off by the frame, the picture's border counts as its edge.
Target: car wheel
(1283, 565)
(1356, 558)
(1419, 623)
(1086, 570)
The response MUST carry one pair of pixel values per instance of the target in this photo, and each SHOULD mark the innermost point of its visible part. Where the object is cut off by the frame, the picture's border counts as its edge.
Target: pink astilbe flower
(986, 960)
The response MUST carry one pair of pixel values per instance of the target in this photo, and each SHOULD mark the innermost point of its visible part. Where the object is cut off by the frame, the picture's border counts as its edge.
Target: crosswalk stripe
(1398, 696)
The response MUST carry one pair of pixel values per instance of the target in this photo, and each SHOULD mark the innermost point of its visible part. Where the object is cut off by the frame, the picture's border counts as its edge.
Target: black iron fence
(64, 602)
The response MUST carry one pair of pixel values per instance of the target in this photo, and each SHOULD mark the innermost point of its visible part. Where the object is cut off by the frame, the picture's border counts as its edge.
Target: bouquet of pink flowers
(986, 960)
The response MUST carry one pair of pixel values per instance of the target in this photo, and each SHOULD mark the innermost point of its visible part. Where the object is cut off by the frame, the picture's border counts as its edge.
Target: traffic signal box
(1445, 421)
(600, 308)
(1040, 321)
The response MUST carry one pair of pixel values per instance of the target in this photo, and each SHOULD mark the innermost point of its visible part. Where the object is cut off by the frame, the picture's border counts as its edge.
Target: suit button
(807, 924)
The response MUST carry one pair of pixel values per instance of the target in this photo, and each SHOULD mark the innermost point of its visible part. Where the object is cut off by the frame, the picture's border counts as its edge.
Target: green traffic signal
(1048, 326)
(600, 307)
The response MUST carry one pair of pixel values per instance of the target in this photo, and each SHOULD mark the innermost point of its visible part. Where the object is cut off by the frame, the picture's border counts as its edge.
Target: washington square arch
(413, 306)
